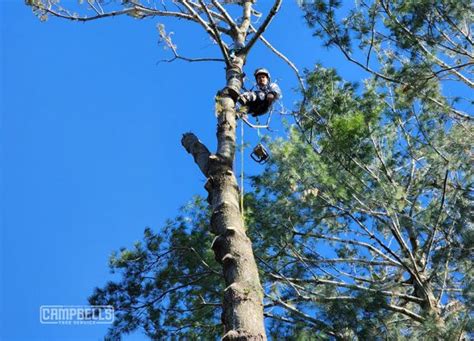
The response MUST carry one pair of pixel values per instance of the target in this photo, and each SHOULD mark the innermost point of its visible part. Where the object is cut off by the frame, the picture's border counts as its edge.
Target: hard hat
(261, 71)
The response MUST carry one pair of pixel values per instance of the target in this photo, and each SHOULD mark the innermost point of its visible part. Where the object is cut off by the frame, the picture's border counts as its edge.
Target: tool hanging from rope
(256, 102)
(259, 153)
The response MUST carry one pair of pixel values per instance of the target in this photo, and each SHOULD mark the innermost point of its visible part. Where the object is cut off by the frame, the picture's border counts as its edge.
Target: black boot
(242, 100)
(233, 92)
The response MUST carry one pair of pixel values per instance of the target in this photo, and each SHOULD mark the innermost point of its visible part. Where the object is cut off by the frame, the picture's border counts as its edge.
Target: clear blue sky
(90, 147)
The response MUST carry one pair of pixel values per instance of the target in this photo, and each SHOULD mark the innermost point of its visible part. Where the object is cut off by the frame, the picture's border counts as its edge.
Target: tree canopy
(362, 219)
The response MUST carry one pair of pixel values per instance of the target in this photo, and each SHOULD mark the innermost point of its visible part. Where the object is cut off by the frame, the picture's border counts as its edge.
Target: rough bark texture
(242, 308)
(430, 306)
(242, 314)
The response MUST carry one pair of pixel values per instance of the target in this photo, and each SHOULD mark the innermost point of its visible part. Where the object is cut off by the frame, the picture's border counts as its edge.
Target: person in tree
(260, 100)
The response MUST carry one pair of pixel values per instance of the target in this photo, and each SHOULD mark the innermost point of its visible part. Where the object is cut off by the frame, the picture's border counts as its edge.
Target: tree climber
(259, 101)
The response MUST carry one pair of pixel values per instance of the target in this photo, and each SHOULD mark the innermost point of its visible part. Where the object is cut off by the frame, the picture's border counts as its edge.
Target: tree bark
(242, 314)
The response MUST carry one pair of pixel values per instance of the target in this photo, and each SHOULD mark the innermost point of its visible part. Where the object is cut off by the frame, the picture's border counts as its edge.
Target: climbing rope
(262, 155)
(242, 169)
(258, 125)
(258, 129)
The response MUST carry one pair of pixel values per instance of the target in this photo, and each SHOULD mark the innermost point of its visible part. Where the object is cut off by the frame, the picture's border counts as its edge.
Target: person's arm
(273, 94)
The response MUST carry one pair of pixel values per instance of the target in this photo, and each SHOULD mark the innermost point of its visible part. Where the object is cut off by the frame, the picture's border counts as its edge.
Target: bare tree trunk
(242, 314)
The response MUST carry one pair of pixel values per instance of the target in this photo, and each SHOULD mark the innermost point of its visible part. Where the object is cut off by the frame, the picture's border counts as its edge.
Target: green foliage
(169, 283)
(412, 44)
(402, 176)
(362, 219)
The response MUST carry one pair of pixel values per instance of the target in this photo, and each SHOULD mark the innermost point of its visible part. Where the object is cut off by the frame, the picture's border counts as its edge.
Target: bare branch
(317, 281)
(382, 244)
(453, 24)
(406, 312)
(91, 4)
(348, 260)
(191, 60)
(279, 318)
(454, 111)
(137, 9)
(228, 19)
(283, 57)
(347, 241)
(200, 20)
(218, 37)
(263, 27)
(445, 277)
(247, 13)
(198, 150)
(372, 36)
(429, 244)
(166, 38)
(216, 16)
(378, 152)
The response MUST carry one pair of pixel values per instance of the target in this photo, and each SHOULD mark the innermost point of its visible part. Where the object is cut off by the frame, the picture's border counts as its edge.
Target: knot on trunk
(238, 335)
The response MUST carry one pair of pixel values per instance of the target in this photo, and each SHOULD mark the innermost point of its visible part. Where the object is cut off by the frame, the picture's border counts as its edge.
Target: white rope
(242, 169)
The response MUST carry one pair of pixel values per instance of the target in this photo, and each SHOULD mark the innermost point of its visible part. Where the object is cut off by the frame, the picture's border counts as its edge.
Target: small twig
(166, 38)
(427, 139)
(191, 60)
(91, 4)
(371, 40)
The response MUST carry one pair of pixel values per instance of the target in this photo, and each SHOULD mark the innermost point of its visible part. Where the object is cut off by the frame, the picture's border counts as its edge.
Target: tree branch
(169, 43)
(200, 20)
(263, 27)
(225, 14)
(319, 324)
(385, 77)
(143, 11)
(218, 37)
(429, 244)
(353, 242)
(424, 49)
(406, 312)
(198, 150)
(317, 281)
(247, 13)
(283, 57)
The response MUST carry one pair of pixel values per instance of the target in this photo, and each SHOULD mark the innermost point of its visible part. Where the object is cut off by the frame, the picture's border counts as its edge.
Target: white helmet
(261, 71)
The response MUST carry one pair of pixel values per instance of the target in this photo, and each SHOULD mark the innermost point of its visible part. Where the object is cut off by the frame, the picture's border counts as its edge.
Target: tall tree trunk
(242, 314)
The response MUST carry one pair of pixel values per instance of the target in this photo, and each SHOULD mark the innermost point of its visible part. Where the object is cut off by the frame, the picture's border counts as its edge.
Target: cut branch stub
(198, 150)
